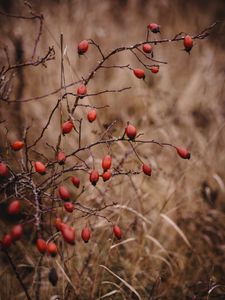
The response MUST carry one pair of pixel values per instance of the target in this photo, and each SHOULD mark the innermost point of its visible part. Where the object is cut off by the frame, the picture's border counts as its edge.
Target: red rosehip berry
(76, 181)
(85, 234)
(106, 175)
(17, 232)
(14, 207)
(81, 90)
(106, 162)
(41, 245)
(67, 127)
(131, 131)
(64, 193)
(155, 28)
(52, 249)
(69, 207)
(117, 231)
(154, 69)
(94, 177)
(7, 241)
(58, 223)
(68, 234)
(82, 47)
(40, 167)
(91, 116)
(17, 145)
(139, 73)
(61, 157)
(183, 153)
(3, 170)
(147, 169)
(188, 43)
(147, 48)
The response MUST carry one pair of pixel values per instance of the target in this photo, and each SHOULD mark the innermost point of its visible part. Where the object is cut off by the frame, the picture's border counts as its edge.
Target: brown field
(173, 222)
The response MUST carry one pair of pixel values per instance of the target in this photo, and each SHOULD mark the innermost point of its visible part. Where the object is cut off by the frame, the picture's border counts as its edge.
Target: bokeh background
(173, 222)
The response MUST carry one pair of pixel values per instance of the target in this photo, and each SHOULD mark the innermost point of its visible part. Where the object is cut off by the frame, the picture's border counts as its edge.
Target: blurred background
(173, 222)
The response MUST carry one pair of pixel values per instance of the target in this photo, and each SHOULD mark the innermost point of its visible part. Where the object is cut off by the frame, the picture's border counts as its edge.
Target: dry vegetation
(173, 223)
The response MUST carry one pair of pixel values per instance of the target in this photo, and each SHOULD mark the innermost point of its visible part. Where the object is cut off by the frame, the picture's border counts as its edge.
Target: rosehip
(82, 47)
(94, 177)
(67, 127)
(7, 241)
(91, 116)
(17, 232)
(81, 90)
(188, 43)
(17, 145)
(106, 162)
(14, 207)
(52, 249)
(68, 234)
(85, 234)
(154, 69)
(64, 193)
(76, 181)
(183, 153)
(147, 169)
(139, 73)
(147, 48)
(131, 131)
(106, 175)
(155, 28)
(3, 170)
(40, 167)
(61, 157)
(41, 245)
(117, 231)
(58, 223)
(69, 206)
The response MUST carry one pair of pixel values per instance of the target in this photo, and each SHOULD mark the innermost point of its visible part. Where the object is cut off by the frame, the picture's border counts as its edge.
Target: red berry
(82, 47)
(91, 116)
(58, 223)
(68, 234)
(117, 231)
(85, 234)
(14, 207)
(147, 169)
(131, 131)
(139, 73)
(155, 28)
(94, 177)
(61, 157)
(3, 170)
(76, 181)
(41, 245)
(67, 127)
(7, 241)
(154, 69)
(64, 193)
(188, 43)
(17, 145)
(69, 206)
(52, 249)
(40, 167)
(106, 175)
(147, 48)
(81, 90)
(106, 162)
(17, 232)
(183, 153)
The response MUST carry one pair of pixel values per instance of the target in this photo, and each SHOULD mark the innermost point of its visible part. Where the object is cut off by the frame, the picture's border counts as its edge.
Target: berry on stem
(82, 47)
(94, 177)
(17, 232)
(68, 234)
(188, 43)
(7, 241)
(155, 28)
(147, 170)
(117, 232)
(17, 145)
(106, 175)
(183, 153)
(40, 167)
(106, 162)
(69, 207)
(85, 234)
(52, 249)
(131, 131)
(76, 181)
(67, 127)
(91, 116)
(147, 48)
(139, 73)
(41, 245)
(64, 193)
(154, 69)
(14, 207)
(61, 157)
(81, 90)
(3, 170)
